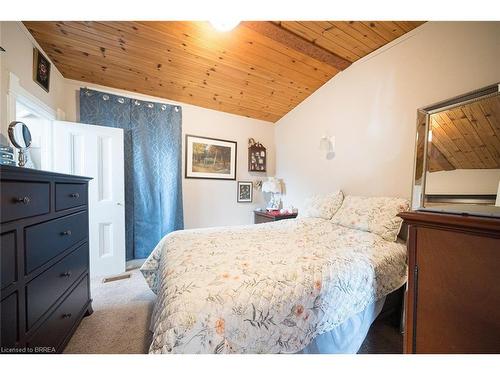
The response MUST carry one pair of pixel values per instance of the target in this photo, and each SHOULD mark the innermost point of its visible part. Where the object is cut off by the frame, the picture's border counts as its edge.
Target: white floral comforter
(268, 288)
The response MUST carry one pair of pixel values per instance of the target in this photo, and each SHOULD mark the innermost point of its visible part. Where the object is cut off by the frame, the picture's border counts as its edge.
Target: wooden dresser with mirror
(453, 293)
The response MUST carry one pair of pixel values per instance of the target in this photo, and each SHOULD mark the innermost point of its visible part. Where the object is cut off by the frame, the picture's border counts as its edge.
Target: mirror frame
(419, 198)
(21, 157)
(12, 136)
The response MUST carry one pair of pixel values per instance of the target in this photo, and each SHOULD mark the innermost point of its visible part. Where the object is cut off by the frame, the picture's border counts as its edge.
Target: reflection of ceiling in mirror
(466, 137)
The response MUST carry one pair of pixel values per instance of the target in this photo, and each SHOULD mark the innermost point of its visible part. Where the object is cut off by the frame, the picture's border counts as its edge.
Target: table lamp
(273, 186)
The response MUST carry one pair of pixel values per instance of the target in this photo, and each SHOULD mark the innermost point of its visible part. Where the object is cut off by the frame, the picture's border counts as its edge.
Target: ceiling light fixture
(224, 25)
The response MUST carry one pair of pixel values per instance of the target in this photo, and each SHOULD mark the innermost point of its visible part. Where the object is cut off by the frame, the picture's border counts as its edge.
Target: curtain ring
(136, 102)
(105, 97)
(150, 105)
(121, 100)
(163, 107)
(176, 109)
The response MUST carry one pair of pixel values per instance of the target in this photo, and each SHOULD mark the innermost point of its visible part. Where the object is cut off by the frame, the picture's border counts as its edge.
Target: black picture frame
(188, 158)
(242, 184)
(41, 70)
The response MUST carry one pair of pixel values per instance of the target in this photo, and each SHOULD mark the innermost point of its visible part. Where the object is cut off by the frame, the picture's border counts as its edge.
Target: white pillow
(322, 206)
(372, 214)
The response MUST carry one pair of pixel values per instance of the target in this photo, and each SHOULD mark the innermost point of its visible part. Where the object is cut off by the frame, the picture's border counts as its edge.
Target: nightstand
(269, 216)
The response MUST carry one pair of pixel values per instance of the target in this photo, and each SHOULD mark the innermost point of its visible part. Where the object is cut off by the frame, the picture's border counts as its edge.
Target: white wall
(18, 59)
(463, 181)
(207, 202)
(371, 110)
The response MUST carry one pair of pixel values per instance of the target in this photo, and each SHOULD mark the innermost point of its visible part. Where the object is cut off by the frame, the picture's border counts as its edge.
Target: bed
(307, 285)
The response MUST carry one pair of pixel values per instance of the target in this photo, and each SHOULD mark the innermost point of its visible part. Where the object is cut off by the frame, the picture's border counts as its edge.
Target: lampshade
(272, 185)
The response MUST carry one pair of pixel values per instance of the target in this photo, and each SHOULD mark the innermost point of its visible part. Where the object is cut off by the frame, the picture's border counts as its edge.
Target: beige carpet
(120, 322)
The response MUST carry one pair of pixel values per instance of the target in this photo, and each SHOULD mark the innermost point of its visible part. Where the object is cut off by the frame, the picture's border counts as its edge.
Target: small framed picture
(245, 191)
(41, 70)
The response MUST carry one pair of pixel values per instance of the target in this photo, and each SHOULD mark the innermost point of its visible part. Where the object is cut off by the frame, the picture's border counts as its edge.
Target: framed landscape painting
(210, 158)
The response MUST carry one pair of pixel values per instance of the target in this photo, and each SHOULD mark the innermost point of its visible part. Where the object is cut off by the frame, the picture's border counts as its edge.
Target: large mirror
(457, 155)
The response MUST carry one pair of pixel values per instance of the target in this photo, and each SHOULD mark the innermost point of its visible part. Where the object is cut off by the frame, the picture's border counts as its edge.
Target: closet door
(97, 152)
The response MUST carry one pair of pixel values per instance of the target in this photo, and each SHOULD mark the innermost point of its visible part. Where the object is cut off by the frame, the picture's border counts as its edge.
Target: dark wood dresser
(44, 259)
(453, 296)
(266, 217)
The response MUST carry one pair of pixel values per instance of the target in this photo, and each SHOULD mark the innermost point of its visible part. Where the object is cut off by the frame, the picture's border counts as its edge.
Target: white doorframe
(18, 94)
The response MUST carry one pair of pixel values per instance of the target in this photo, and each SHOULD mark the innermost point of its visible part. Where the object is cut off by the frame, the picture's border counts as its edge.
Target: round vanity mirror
(20, 137)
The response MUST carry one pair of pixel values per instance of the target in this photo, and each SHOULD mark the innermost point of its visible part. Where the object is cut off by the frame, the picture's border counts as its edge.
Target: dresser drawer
(24, 199)
(9, 324)
(8, 258)
(55, 329)
(70, 195)
(45, 289)
(45, 241)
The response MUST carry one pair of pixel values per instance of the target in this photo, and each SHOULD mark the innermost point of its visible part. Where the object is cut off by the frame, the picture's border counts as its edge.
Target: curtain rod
(137, 102)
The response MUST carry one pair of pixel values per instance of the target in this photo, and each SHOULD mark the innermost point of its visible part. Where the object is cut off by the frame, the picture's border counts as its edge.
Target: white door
(97, 152)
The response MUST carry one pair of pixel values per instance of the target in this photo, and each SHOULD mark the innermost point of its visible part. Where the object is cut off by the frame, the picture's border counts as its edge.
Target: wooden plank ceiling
(260, 70)
(468, 136)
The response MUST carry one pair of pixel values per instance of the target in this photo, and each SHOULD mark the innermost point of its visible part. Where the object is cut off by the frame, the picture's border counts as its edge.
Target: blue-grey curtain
(152, 148)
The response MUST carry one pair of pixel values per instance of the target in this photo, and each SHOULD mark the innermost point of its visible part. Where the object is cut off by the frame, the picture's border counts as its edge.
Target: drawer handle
(66, 274)
(66, 316)
(74, 195)
(23, 200)
(66, 233)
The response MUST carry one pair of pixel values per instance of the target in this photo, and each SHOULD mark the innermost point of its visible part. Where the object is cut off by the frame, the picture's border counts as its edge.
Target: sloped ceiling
(468, 136)
(260, 70)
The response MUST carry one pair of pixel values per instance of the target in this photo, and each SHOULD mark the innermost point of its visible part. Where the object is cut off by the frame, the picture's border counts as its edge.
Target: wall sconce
(258, 184)
(327, 146)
